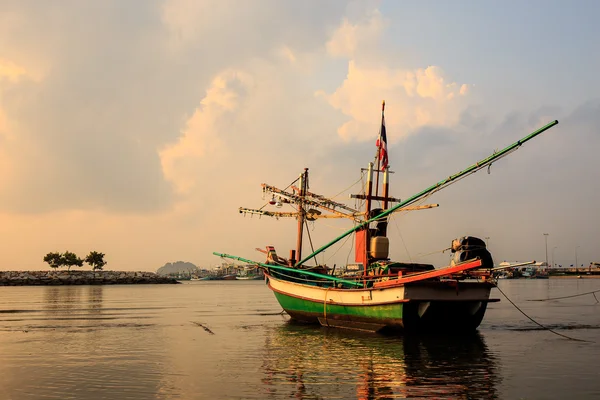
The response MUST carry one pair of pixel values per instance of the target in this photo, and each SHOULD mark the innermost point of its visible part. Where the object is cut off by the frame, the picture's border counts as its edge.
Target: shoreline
(55, 278)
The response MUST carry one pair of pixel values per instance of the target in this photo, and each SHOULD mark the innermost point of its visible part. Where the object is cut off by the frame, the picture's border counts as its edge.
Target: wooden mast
(379, 151)
(386, 187)
(365, 234)
(301, 213)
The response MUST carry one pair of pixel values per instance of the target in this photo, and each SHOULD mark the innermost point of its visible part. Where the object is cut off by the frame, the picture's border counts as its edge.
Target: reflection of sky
(144, 341)
(69, 342)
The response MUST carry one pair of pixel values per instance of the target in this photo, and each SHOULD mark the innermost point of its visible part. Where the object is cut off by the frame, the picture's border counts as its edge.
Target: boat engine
(468, 248)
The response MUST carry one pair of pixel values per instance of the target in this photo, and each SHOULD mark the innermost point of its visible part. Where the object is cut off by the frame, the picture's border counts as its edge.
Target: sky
(138, 128)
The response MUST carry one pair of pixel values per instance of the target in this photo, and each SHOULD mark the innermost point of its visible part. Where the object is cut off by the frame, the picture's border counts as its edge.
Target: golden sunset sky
(137, 128)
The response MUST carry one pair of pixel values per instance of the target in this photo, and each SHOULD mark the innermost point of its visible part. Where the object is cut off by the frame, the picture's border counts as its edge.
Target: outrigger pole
(441, 184)
(281, 268)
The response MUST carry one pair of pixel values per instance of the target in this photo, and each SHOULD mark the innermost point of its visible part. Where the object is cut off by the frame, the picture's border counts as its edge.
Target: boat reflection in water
(307, 362)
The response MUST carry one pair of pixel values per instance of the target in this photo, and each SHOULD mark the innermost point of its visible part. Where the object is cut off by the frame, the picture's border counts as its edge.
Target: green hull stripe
(378, 312)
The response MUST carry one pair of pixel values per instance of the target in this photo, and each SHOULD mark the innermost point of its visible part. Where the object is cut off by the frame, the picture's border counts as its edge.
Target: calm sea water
(218, 340)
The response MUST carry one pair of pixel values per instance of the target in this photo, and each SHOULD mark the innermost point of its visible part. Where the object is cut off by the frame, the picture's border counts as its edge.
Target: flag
(382, 145)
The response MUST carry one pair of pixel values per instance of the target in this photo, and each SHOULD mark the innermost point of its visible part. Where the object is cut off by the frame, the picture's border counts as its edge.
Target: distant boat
(384, 293)
(249, 273)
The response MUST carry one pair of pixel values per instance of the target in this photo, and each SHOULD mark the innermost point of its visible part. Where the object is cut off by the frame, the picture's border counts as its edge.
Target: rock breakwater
(20, 278)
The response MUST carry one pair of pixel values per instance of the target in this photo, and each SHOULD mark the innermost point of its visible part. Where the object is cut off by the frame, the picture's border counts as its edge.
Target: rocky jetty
(19, 278)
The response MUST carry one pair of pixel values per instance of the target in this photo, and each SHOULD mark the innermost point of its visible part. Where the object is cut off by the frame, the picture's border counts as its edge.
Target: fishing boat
(376, 293)
(249, 273)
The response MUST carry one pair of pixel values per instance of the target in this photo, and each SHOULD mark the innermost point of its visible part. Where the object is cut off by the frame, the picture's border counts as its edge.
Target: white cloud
(464, 89)
(415, 97)
(350, 39)
(10, 71)
(202, 133)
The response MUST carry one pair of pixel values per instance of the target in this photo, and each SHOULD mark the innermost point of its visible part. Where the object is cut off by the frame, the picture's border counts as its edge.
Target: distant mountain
(177, 267)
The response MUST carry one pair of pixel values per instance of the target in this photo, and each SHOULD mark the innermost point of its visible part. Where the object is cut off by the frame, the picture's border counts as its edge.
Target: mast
(379, 149)
(386, 187)
(437, 186)
(362, 240)
(301, 212)
(369, 190)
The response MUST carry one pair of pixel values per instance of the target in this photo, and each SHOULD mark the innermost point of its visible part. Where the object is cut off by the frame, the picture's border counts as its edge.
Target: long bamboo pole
(443, 183)
(295, 270)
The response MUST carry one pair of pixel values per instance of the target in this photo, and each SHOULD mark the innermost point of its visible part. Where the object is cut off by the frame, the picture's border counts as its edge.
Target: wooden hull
(419, 306)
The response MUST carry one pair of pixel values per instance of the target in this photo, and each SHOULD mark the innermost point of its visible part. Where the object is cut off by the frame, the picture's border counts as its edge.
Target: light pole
(487, 239)
(555, 247)
(576, 266)
(546, 238)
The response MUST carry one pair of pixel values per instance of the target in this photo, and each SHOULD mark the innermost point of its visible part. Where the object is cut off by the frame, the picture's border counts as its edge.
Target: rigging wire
(351, 247)
(401, 237)
(339, 248)
(537, 323)
(312, 248)
(351, 186)
(435, 252)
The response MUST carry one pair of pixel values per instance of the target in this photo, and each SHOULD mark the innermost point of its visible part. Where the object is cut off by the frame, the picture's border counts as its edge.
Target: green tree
(71, 260)
(95, 260)
(54, 260)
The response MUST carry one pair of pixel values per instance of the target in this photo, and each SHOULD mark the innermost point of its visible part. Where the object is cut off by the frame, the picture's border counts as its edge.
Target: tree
(95, 260)
(55, 260)
(71, 260)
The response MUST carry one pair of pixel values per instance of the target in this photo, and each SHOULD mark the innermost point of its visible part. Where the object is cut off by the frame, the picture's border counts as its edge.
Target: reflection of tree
(95, 299)
(61, 297)
(309, 362)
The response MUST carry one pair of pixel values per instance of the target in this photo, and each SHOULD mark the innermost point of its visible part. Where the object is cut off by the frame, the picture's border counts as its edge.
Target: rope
(278, 313)
(568, 297)
(353, 236)
(537, 323)
(349, 187)
(325, 306)
(312, 248)
(339, 248)
(433, 252)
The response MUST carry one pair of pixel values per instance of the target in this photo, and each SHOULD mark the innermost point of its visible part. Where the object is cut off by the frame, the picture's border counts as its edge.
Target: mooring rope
(568, 297)
(278, 313)
(537, 323)
(325, 307)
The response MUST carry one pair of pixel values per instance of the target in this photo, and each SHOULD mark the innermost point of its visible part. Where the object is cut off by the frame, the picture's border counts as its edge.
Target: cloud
(201, 136)
(138, 128)
(108, 96)
(130, 123)
(10, 71)
(416, 97)
(349, 39)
